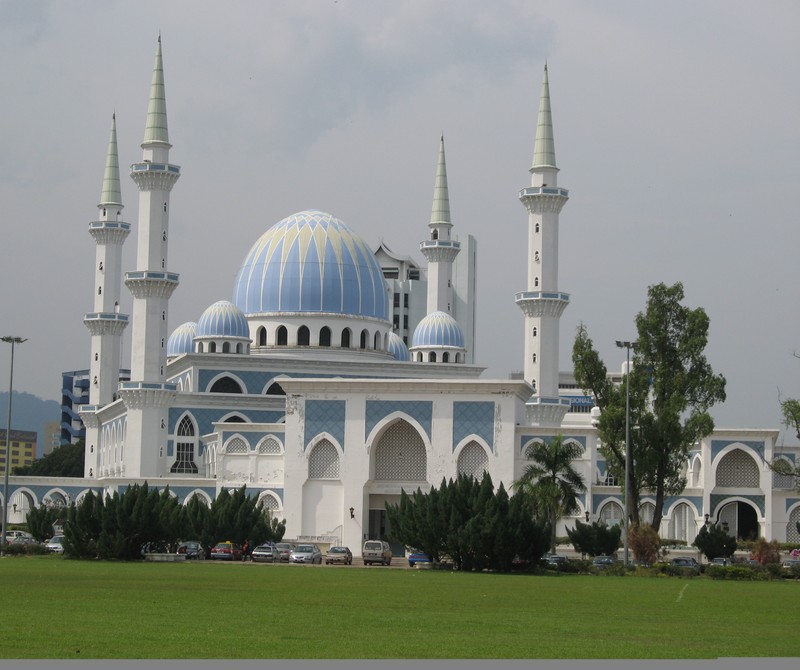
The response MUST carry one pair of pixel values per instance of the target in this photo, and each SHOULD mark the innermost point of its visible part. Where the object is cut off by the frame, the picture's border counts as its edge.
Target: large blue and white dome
(311, 262)
(223, 319)
(182, 339)
(438, 329)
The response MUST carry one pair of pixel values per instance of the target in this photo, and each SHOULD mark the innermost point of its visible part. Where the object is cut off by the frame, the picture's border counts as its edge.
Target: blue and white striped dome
(181, 340)
(398, 348)
(438, 329)
(311, 262)
(223, 319)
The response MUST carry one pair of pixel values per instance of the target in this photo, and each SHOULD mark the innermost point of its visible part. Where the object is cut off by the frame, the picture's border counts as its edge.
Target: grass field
(55, 608)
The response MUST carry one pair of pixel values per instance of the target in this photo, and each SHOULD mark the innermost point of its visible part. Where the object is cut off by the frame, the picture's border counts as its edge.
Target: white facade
(308, 399)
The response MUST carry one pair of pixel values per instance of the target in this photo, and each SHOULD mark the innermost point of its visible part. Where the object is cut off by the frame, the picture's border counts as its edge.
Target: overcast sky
(677, 130)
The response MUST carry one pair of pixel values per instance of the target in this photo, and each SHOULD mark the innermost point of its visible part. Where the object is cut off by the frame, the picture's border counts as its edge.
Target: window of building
(346, 338)
(303, 336)
(413, 274)
(405, 300)
(396, 302)
(282, 336)
(325, 336)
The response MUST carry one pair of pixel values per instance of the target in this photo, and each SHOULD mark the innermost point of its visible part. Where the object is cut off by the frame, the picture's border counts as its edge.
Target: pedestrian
(246, 550)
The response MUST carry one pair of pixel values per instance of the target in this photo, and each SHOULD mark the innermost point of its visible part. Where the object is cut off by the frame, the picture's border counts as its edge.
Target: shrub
(766, 552)
(644, 543)
(715, 542)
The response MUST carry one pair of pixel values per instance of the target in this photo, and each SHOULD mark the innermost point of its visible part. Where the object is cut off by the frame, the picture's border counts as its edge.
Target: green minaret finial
(544, 152)
(111, 193)
(156, 128)
(440, 213)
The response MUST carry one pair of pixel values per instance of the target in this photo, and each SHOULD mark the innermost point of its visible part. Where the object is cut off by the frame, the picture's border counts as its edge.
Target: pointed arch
(324, 459)
(185, 445)
(325, 336)
(473, 458)
(282, 336)
(399, 452)
(236, 444)
(303, 336)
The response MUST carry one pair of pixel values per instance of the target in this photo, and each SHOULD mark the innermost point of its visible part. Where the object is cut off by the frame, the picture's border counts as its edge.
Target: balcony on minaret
(440, 250)
(542, 303)
(155, 176)
(147, 283)
(538, 199)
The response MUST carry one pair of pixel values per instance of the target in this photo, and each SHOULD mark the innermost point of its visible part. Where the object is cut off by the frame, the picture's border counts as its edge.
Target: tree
(64, 461)
(595, 539)
(671, 387)
(551, 481)
(714, 542)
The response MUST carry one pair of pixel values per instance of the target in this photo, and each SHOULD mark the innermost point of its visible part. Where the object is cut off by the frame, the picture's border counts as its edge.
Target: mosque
(339, 375)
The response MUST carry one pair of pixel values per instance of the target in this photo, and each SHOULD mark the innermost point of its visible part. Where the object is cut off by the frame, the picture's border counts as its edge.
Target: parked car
(603, 562)
(284, 551)
(376, 551)
(555, 559)
(339, 555)
(686, 562)
(55, 544)
(721, 560)
(193, 550)
(266, 553)
(417, 556)
(791, 566)
(19, 537)
(226, 551)
(306, 553)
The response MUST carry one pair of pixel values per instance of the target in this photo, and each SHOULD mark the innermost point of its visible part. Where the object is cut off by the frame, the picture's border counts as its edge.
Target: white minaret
(146, 396)
(440, 251)
(542, 303)
(105, 323)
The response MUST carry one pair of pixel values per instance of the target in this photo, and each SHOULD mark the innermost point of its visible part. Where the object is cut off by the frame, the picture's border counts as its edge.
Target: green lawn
(55, 608)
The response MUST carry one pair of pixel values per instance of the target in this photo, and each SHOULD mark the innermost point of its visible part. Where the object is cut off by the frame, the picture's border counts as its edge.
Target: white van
(376, 551)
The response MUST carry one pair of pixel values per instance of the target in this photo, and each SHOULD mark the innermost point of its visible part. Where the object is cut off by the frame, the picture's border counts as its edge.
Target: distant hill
(29, 412)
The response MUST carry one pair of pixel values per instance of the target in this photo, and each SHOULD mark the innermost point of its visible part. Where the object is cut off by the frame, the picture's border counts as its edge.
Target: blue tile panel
(325, 416)
(790, 502)
(473, 418)
(420, 410)
(719, 445)
(717, 501)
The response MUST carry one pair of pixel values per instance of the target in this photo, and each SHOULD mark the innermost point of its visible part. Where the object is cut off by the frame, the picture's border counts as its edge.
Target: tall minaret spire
(105, 323)
(542, 303)
(147, 396)
(440, 251)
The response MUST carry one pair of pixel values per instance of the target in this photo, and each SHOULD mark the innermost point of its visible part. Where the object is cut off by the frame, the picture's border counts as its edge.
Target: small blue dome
(181, 340)
(223, 319)
(311, 262)
(398, 348)
(438, 329)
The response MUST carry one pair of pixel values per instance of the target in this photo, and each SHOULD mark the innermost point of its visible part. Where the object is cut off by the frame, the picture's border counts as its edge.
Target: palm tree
(551, 481)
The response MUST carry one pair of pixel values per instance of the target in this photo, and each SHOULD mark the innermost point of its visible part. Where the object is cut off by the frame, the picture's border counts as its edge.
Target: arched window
(446, 357)
(738, 469)
(473, 461)
(400, 454)
(324, 336)
(212, 347)
(323, 461)
(419, 357)
(303, 336)
(364, 335)
(376, 341)
(226, 347)
(612, 514)
(275, 389)
(262, 337)
(225, 385)
(537, 227)
(184, 448)
(346, 338)
(536, 281)
(282, 336)
(535, 332)
(432, 357)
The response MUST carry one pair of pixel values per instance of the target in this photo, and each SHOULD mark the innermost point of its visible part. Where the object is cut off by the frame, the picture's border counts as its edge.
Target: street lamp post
(627, 346)
(13, 341)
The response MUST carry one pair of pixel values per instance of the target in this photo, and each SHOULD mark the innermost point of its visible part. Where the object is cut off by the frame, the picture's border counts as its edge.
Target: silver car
(376, 551)
(306, 553)
(55, 544)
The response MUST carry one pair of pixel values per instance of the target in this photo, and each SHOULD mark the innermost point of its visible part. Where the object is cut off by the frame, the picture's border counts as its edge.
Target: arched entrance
(741, 519)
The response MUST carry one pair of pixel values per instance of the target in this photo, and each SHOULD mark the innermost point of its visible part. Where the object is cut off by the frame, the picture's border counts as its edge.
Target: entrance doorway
(379, 529)
(741, 519)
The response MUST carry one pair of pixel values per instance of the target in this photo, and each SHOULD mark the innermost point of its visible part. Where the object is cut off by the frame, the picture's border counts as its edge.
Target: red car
(226, 551)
